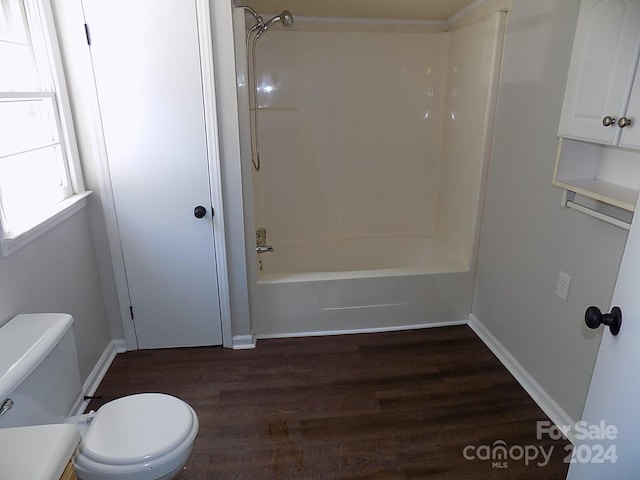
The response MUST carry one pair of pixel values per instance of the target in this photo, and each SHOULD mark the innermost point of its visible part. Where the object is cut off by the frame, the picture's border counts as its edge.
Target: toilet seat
(145, 437)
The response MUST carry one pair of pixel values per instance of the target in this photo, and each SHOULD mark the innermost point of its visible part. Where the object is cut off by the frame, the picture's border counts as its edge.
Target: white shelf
(606, 174)
(612, 194)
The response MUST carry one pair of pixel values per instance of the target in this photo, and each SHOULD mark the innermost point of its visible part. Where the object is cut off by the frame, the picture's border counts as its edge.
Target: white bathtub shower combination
(374, 141)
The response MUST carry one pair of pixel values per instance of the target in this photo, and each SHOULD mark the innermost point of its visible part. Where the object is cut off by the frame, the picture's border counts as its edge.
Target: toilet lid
(137, 428)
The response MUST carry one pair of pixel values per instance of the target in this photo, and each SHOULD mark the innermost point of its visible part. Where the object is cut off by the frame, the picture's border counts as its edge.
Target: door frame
(215, 180)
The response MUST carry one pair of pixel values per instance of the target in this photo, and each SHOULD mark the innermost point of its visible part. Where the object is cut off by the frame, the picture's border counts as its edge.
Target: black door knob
(593, 317)
(199, 211)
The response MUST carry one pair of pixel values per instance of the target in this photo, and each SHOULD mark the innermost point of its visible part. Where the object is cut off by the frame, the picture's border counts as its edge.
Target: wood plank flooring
(401, 405)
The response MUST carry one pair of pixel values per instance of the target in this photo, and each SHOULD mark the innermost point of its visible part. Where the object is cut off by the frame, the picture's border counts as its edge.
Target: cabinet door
(603, 64)
(630, 137)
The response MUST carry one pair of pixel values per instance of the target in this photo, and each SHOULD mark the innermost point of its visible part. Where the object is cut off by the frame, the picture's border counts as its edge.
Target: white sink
(40, 452)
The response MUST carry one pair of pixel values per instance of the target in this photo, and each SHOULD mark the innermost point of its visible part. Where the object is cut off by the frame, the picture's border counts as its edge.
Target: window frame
(12, 241)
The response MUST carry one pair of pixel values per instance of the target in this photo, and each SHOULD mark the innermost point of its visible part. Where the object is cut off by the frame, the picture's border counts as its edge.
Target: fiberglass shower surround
(374, 143)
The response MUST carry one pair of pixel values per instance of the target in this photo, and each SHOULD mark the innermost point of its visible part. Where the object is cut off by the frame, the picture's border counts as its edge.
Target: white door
(611, 419)
(146, 62)
(602, 68)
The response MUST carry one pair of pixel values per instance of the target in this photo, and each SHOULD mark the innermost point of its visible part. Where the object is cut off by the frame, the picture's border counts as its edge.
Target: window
(39, 172)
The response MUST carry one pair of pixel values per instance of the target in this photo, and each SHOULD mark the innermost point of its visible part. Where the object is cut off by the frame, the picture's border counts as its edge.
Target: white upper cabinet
(600, 96)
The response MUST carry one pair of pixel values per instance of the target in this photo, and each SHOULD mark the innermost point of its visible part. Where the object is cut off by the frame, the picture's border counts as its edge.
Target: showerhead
(285, 17)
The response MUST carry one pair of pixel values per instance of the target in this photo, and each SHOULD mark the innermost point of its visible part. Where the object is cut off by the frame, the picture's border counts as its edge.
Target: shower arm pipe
(255, 15)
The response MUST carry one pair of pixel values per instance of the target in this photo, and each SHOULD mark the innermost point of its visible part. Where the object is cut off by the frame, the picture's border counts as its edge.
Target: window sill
(12, 242)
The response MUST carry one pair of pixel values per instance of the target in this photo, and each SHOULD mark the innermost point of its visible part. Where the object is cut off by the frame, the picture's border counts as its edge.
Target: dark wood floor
(399, 405)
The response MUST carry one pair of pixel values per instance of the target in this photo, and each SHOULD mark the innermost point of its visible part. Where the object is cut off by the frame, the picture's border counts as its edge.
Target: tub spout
(264, 248)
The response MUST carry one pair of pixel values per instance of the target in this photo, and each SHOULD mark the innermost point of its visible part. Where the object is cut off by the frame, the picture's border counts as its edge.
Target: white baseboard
(539, 395)
(243, 342)
(323, 333)
(92, 382)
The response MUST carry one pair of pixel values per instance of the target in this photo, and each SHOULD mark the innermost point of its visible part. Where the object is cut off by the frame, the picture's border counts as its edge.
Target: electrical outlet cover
(562, 288)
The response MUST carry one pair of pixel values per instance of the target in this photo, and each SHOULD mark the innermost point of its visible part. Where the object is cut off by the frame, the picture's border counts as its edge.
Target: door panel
(147, 67)
(615, 386)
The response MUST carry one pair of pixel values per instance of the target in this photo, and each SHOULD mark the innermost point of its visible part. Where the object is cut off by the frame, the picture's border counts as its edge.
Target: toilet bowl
(146, 436)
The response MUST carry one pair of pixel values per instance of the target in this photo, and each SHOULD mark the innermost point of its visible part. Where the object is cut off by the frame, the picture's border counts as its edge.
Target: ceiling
(391, 9)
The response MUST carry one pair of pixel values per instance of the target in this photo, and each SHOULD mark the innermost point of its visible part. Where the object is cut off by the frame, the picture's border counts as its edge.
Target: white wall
(58, 273)
(239, 229)
(69, 19)
(526, 237)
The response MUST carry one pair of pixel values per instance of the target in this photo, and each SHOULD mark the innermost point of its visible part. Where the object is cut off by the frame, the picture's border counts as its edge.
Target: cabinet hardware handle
(625, 122)
(608, 121)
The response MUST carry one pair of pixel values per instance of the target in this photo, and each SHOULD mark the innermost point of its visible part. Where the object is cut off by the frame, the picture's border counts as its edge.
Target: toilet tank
(39, 369)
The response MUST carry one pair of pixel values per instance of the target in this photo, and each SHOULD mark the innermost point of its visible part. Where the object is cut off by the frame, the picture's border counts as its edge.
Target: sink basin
(39, 452)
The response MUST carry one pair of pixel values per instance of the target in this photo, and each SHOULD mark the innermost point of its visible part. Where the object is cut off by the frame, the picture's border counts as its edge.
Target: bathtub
(372, 180)
(357, 258)
(360, 285)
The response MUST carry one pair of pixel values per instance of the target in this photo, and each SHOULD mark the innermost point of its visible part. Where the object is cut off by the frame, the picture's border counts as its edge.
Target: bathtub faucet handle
(263, 249)
(6, 406)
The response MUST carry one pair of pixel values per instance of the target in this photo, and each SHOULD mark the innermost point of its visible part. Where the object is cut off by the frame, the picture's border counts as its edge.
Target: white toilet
(146, 436)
